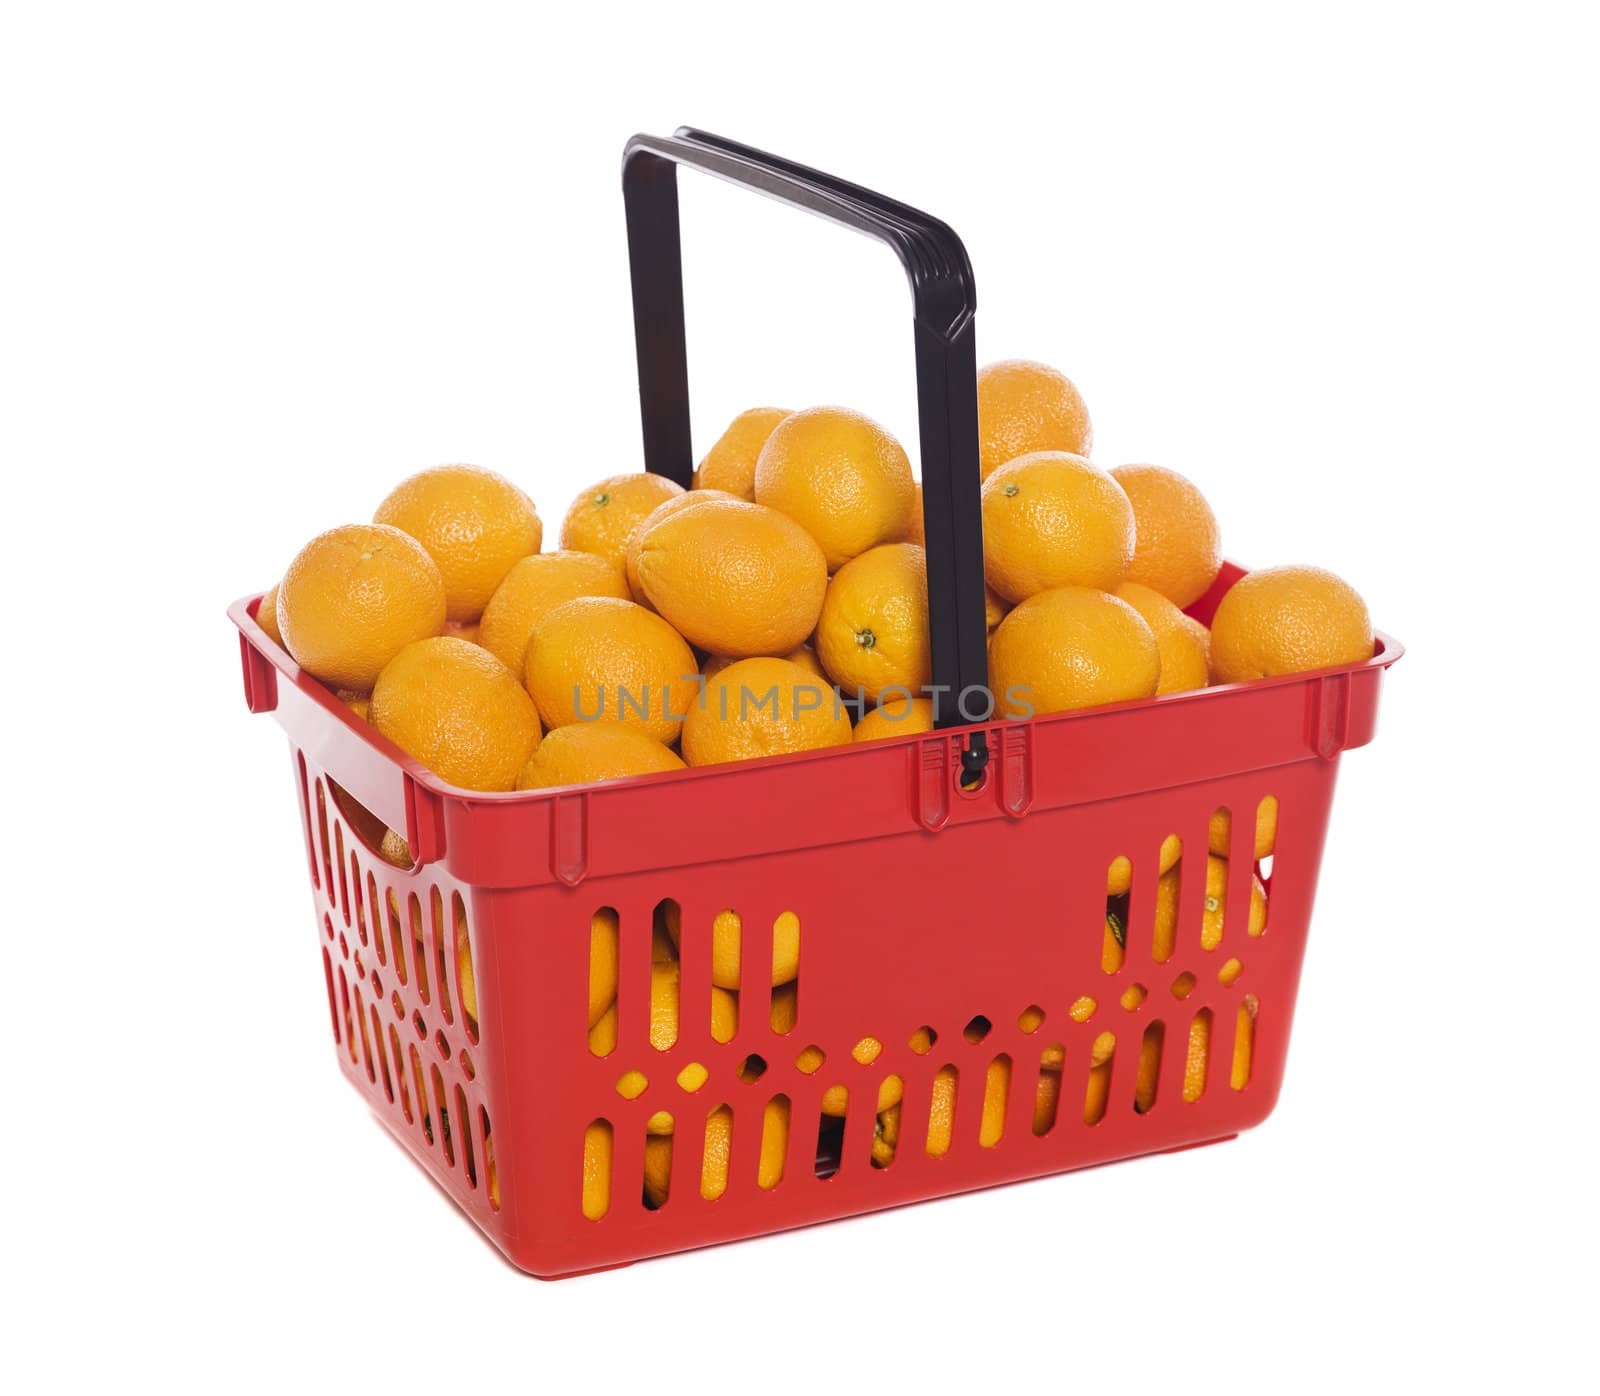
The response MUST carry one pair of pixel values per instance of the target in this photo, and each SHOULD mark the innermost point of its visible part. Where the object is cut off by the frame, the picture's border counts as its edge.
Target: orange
(396, 852)
(942, 1110)
(811, 1058)
(491, 1176)
(1194, 1065)
(774, 1142)
(873, 633)
(469, 986)
(1184, 643)
(267, 617)
(1119, 877)
(1179, 549)
(1148, 1073)
(590, 751)
(942, 1106)
(734, 578)
(762, 707)
(473, 523)
(995, 608)
(603, 1033)
(1284, 620)
(915, 529)
(896, 716)
(597, 1152)
(599, 657)
(1053, 520)
(603, 517)
(731, 463)
(663, 929)
(665, 1008)
(657, 1168)
(533, 588)
(664, 510)
(462, 630)
(714, 1161)
(603, 953)
(359, 820)
(996, 1087)
(1221, 831)
(886, 1137)
(1099, 1085)
(1216, 903)
(692, 1077)
(1166, 932)
(1113, 941)
(1102, 1049)
(459, 711)
(1166, 936)
(353, 598)
(1024, 407)
(867, 1050)
(358, 703)
(785, 1008)
(840, 476)
(1243, 1043)
(836, 1099)
(1046, 1100)
(1072, 648)
(726, 936)
(803, 655)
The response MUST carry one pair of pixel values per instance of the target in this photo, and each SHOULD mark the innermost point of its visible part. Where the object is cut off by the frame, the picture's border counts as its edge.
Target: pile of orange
(666, 1009)
(780, 605)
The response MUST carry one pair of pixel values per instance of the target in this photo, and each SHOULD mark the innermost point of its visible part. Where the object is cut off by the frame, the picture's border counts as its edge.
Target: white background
(261, 262)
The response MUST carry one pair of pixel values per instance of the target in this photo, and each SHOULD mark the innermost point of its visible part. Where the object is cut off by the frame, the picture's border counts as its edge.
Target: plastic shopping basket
(958, 951)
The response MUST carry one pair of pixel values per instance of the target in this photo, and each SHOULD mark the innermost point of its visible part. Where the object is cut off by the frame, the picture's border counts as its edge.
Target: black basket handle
(943, 300)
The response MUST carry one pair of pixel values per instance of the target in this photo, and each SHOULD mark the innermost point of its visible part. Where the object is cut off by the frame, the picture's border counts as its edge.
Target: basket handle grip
(943, 304)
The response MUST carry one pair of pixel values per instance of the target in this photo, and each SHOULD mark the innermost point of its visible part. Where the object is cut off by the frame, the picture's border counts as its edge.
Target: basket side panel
(402, 964)
(962, 932)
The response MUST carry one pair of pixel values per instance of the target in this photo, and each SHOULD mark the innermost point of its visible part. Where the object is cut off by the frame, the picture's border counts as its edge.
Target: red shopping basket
(971, 1006)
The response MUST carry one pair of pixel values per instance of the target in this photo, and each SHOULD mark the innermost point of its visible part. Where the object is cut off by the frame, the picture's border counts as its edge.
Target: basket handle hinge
(1328, 714)
(932, 777)
(569, 837)
(938, 756)
(424, 822)
(1013, 744)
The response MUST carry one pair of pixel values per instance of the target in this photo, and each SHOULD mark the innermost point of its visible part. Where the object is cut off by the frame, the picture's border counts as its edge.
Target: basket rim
(1386, 651)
